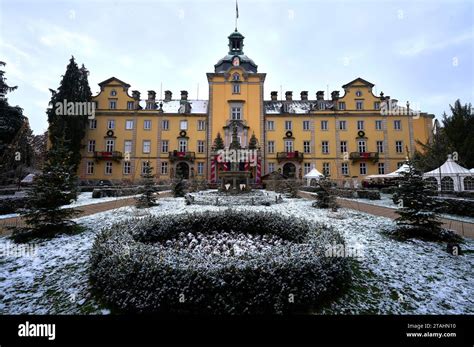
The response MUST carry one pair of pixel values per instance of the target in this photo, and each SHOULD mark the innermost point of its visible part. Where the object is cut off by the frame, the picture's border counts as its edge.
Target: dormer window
(358, 93)
(236, 77)
(113, 92)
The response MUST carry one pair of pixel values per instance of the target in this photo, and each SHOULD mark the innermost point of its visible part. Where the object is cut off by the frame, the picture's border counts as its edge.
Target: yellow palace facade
(344, 136)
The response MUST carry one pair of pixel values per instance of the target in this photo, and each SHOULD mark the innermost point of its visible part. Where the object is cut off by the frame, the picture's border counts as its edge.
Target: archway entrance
(289, 170)
(182, 170)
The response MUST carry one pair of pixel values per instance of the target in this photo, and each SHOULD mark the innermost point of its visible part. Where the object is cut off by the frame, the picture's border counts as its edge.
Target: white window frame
(112, 104)
(325, 147)
(164, 146)
(399, 146)
(129, 124)
(343, 146)
(306, 168)
(200, 146)
(127, 146)
(288, 125)
(359, 105)
(342, 125)
(363, 169)
(377, 123)
(271, 167)
(289, 146)
(360, 125)
(201, 125)
(164, 168)
(270, 125)
(109, 145)
(91, 146)
(165, 124)
(147, 124)
(108, 165)
(397, 124)
(306, 146)
(92, 123)
(380, 146)
(146, 146)
(236, 112)
(306, 125)
(111, 124)
(341, 105)
(271, 146)
(324, 125)
(344, 169)
(381, 168)
(127, 168)
(200, 168)
(90, 168)
(362, 146)
(183, 124)
(183, 145)
(130, 105)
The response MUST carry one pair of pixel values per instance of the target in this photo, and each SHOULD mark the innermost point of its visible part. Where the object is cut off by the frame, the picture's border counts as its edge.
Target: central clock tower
(235, 99)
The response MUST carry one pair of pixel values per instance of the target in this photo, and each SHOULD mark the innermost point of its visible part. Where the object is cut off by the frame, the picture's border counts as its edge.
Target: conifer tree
(218, 143)
(253, 143)
(55, 187)
(324, 197)
(147, 199)
(74, 87)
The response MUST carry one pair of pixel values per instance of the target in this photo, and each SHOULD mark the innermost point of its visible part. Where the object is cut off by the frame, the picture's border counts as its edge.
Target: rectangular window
(164, 168)
(183, 125)
(270, 125)
(127, 168)
(127, 147)
(200, 167)
(361, 146)
(200, 146)
(236, 112)
(271, 167)
(381, 169)
(307, 168)
(146, 146)
(108, 168)
(145, 166)
(201, 125)
(183, 145)
(130, 105)
(399, 146)
(359, 105)
(109, 145)
(325, 147)
(129, 124)
(343, 146)
(307, 146)
(164, 146)
(342, 125)
(236, 88)
(345, 169)
(324, 125)
(363, 168)
(380, 146)
(112, 105)
(93, 124)
(377, 105)
(378, 125)
(288, 145)
(397, 124)
(306, 125)
(342, 105)
(111, 124)
(165, 124)
(90, 168)
(271, 146)
(326, 170)
(91, 146)
(147, 124)
(360, 125)
(288, 125)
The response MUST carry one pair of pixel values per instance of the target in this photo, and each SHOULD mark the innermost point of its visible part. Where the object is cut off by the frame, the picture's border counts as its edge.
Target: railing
(187, 156)
(297, 156)
(374, 156)
(114, 155)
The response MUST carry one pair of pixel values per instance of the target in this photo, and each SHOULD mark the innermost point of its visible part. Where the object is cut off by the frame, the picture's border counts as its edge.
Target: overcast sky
(420, 51)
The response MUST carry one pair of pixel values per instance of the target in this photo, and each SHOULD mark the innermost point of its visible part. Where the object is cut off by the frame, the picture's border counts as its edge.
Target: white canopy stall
(451, 176)
(397, 173)
(313, 174)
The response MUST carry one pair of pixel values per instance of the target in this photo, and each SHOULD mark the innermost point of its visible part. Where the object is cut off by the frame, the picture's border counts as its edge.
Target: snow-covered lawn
(413, 277)
(83, 199)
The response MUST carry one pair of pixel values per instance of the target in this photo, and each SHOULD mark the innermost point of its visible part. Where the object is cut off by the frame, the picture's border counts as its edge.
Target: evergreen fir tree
(418, 208)
(147, 199)
(253, 143)
(178, 187)
(324, 197)
(55, 187)
(74, 87)
(218, 143)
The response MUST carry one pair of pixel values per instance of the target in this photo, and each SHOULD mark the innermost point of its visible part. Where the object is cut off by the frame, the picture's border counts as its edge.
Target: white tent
(313, 174)
(397, 173)
(28, 179)
(451, 176)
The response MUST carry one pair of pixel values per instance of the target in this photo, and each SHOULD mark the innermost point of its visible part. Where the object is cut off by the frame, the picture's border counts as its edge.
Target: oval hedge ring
(110, 133)
(361, 133)
(217, 262)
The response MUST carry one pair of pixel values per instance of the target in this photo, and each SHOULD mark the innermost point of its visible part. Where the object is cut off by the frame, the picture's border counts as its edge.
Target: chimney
(184, 95)
(274, 96)
(304, 95)
(320, 95)
(289, 96)
(335, 95)
(136, 95)
(151, 95)
(168, 95)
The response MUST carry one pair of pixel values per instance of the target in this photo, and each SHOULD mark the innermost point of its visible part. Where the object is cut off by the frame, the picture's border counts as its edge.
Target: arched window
(432, 183)
(468, 183)
(113, 92)
(236, 77)
(447, 183)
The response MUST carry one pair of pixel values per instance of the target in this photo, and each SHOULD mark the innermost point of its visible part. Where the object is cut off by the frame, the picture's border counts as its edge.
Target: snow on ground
(393, 277)
(83, 199)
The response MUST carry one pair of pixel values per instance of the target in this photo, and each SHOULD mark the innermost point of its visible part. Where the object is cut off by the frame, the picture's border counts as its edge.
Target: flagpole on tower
(236, 13)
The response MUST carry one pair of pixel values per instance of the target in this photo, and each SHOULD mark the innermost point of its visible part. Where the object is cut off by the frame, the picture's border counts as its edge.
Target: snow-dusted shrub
(219, 263)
